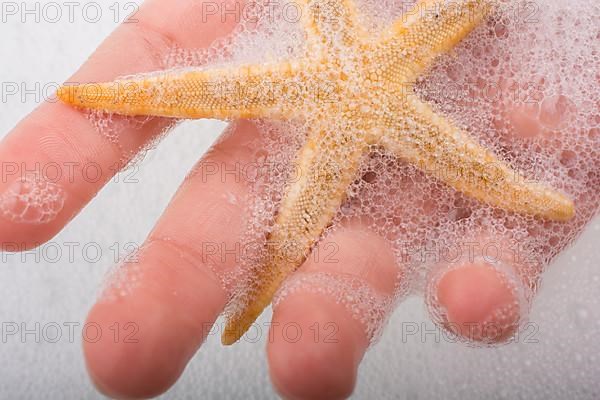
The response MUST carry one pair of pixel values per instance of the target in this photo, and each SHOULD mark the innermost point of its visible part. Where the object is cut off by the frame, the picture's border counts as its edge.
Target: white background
(559, 361)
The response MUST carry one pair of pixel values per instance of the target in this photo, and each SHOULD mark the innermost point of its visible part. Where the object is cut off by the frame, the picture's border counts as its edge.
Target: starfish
(352, 88)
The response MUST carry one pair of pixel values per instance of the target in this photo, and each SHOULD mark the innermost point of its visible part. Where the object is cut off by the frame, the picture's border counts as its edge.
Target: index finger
(57, 159)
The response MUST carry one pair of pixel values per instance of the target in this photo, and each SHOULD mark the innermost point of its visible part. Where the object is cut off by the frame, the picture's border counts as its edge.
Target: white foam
(528, 70)
(32, 199)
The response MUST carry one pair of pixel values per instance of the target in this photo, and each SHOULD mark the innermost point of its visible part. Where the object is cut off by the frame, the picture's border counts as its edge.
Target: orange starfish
(353, 91)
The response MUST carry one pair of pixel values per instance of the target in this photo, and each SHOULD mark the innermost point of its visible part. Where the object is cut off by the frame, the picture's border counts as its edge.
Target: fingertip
(125, 367)
(149, 323)
(314, 349)
(338, 306)
(479, 302)
(18, 237)
(33, 205)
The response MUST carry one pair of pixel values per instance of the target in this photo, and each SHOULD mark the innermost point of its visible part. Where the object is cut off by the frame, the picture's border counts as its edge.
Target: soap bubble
(524, 84)
(32, 199)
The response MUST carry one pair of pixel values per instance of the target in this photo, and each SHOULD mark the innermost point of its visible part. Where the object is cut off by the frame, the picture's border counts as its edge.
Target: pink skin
(177, 295)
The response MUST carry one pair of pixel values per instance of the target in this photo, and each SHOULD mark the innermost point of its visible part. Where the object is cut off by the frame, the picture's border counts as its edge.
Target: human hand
(172, 326)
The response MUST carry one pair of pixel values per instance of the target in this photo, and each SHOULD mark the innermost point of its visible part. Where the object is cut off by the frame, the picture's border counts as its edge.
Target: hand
(176, 295)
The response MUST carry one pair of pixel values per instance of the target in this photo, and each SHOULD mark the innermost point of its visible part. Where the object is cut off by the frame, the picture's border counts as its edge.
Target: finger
(57, 159)
(326, 314)
(485, 299)
(478, 301)
(174, 292)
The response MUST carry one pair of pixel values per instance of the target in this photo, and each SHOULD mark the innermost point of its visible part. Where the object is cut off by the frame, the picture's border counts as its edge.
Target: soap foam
(32, 199)
(524, 84)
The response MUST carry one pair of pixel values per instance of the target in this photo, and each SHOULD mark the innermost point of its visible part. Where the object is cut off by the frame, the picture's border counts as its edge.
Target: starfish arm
(430, 28)
(325, 168)
(330, 23)
(248, 91)
(437, 146)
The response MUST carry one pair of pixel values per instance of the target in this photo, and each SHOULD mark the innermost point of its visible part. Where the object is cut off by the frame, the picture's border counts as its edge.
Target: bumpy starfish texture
(357, 93)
